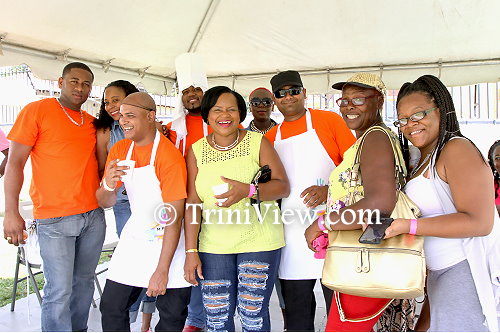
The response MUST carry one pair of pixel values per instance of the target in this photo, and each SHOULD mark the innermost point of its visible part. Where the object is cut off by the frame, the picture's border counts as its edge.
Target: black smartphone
(375, 232)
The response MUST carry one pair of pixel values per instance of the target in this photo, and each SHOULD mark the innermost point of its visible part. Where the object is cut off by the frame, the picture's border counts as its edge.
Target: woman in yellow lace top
(239, 249)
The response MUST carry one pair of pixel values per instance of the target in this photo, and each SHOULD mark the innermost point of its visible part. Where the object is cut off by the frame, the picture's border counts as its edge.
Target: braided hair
(104, 120)
(437, 92)
(496, 175)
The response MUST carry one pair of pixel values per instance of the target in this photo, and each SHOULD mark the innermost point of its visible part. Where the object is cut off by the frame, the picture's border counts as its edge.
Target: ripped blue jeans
(242, 281)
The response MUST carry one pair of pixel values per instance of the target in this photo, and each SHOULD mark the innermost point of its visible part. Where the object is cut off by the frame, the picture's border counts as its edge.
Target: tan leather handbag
(393, 269)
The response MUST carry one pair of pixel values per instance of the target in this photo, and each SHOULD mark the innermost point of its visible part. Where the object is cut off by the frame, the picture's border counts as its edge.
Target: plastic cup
(219, 189)
(129, 173)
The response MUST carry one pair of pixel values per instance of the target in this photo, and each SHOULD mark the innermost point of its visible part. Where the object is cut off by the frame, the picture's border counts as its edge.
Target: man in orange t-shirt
(150, 253)
(195, 128)
(310, 144)
(60, 139)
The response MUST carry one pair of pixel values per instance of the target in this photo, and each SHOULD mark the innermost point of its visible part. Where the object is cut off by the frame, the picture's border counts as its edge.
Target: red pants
(354, 307)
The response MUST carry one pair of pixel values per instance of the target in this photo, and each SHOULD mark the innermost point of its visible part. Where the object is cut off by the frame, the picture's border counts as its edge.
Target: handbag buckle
(359, 261)
(365, 260)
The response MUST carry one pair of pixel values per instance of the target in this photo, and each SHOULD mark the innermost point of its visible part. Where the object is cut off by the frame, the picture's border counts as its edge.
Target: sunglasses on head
(414, 117)
(292, 91)
(266, 101)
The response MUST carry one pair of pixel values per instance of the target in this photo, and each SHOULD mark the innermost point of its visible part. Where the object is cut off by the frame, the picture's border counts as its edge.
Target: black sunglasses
(292, 91)
(266, 101)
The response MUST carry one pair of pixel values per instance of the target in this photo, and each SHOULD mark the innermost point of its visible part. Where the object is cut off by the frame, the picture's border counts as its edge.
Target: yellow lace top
(236, 229)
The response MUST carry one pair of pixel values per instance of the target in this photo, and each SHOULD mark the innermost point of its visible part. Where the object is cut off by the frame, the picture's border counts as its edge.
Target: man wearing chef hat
(187, 127)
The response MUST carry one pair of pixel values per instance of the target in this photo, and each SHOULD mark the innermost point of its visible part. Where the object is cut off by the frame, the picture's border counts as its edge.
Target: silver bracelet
(106, 187)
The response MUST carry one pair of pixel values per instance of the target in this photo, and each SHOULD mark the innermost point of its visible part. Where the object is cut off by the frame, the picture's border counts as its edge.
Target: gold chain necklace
(67, 115)
(231, 146)
(255, 129)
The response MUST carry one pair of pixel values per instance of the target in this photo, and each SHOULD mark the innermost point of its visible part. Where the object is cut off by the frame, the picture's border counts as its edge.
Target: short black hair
(211, 96)
(80, 65)
(104, 120)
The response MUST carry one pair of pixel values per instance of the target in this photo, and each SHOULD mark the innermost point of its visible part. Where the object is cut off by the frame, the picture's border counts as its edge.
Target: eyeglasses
(414, 117)
(292, 91)
(357, 101)
(266, 101)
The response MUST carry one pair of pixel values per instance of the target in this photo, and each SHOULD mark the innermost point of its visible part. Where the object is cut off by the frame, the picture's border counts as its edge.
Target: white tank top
(440, 253)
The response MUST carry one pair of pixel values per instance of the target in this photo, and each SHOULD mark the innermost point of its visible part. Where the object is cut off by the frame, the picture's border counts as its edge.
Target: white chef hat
(190, 72)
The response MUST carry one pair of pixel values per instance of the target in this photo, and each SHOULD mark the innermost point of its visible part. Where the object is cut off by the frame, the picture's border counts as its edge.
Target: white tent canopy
(244, 43)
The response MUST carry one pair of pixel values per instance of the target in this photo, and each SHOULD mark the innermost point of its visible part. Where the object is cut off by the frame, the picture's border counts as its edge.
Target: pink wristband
(252, 191)
(321, 223)
(413, 227)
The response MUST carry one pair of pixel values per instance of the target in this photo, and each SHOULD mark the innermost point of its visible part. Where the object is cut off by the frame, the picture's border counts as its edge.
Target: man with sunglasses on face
(261, 106)
(310, 144)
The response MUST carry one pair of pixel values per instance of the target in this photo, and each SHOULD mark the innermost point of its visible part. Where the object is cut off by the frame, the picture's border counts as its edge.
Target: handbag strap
(343, 318)
(400, 167)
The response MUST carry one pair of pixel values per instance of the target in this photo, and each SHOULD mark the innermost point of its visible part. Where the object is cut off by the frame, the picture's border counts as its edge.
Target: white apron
(136, 256)
(306, 163)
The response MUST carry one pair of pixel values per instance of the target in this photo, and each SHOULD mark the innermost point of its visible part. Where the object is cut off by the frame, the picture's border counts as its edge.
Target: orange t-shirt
(63, 158)
(331, 129)
(194, 126)
(170, 166)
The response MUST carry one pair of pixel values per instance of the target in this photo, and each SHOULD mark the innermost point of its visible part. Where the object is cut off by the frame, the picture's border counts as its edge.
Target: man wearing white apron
(150, 253)
(310, 144)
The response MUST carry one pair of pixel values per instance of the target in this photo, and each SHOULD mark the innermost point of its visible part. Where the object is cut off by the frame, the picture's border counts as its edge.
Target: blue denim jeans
(242, 281)
(70, 247)
(196, 311)
(149, 305)
(121, 210)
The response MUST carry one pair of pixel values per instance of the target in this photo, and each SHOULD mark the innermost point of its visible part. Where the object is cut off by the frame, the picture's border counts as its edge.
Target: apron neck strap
(308, 120)
(308, 125)
(153, 152)
(130, 150)
(155, 148)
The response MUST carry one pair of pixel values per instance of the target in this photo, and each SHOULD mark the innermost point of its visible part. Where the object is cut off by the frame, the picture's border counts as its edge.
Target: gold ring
(8, 239)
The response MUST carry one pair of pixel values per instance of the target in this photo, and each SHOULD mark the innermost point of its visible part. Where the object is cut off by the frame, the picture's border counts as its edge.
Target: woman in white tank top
(462, 243)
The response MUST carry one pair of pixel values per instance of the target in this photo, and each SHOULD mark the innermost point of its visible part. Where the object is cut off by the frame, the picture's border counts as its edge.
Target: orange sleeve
(171, 171)
(26, 127)
(118, 151)
(343, 135)
(172, 135)
(333, 133)
(271, 134)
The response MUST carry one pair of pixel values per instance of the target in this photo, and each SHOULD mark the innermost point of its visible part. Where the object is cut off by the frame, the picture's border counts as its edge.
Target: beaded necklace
(255, 129)
(224, 148)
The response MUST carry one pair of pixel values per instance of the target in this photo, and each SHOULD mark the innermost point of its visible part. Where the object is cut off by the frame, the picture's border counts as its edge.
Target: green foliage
(6, 284)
